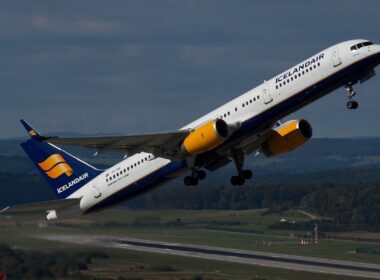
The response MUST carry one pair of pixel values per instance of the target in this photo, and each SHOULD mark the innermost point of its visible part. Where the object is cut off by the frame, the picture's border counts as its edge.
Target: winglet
(33, 132)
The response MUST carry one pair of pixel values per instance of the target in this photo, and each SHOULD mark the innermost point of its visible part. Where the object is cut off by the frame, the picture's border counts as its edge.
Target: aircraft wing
(161, 144)
(43, 206)
(164, 144)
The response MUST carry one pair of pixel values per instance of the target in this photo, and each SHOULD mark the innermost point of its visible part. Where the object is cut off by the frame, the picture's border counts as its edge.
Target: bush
(161, 268)
(147, 221)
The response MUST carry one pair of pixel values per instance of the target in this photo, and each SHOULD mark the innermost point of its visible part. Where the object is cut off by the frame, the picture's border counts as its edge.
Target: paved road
(284, 261)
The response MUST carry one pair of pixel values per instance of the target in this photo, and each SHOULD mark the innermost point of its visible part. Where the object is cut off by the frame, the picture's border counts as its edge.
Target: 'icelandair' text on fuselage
(72, 183)
(300, 67)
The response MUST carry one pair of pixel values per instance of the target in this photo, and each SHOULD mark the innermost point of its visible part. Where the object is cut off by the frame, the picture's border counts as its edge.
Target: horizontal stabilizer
(42, 206)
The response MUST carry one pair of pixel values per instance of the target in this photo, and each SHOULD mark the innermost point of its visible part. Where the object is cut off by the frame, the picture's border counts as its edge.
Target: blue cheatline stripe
(149, 182)
(267, 118)
(249, 127)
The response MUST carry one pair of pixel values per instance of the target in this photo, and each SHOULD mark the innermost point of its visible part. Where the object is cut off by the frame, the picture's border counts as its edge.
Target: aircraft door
(336, 58)
(266, 93)
(96, 191)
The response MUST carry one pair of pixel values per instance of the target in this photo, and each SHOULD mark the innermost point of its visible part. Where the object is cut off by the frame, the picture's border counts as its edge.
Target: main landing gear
(193, 180)
(239, 179)
(351, 104)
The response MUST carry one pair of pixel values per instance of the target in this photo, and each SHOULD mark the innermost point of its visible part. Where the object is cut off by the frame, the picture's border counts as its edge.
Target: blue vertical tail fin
(64, 173)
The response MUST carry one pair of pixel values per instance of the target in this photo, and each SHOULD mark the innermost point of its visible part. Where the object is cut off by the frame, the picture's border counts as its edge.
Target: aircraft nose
(376, 48)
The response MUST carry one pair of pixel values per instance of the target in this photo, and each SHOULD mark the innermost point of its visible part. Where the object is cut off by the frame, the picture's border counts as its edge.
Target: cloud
(135, 66)
(74, 27)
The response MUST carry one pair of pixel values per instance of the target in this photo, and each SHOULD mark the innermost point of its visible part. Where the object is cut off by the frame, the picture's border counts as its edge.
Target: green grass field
(234, 229)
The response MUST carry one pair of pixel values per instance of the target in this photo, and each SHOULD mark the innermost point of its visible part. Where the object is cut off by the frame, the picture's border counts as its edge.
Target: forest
(326, 177)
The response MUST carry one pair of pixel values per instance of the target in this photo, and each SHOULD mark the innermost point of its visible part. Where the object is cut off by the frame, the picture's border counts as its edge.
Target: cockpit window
(360, 45)
(367, 44)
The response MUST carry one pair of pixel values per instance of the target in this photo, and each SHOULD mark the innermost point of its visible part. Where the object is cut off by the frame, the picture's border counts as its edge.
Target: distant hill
(316, 155)
(325, 154)
(319, 161)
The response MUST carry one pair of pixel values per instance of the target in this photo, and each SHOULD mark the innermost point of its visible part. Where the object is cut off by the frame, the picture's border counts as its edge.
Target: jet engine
(287, 137)
(205, 138)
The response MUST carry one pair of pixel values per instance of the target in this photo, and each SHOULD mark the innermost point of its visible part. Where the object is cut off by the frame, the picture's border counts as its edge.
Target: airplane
(250, 123)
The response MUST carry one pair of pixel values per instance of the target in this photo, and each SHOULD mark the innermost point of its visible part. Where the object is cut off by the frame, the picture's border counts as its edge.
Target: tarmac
(258, 258)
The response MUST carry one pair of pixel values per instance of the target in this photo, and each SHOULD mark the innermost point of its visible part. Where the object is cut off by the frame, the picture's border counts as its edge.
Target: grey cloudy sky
(143, 66)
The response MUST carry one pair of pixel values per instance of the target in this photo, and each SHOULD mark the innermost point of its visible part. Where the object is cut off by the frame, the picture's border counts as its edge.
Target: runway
(284, 261)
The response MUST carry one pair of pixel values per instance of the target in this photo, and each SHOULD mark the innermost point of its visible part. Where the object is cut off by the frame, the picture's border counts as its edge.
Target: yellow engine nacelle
(205, 138)
(287, 137)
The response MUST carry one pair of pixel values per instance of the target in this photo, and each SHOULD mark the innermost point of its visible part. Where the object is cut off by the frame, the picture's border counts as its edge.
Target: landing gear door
(266, 94)
(336, 58)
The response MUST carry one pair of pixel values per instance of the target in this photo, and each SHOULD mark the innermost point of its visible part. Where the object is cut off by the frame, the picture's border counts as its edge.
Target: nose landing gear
(351, 104)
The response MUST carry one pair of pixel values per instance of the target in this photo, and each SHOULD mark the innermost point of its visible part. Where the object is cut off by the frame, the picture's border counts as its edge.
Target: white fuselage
(267, 103)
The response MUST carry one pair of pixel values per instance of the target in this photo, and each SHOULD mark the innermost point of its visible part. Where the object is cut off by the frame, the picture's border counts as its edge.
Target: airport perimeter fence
(348, 238)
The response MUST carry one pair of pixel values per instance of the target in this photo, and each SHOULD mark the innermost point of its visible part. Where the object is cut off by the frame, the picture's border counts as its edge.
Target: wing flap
(167, 141)
(41, 206)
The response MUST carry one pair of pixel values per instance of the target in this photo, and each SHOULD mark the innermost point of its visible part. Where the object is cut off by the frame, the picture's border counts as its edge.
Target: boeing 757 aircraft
(248, 124)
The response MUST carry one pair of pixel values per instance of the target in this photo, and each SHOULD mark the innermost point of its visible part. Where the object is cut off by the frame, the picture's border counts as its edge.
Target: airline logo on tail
(32, 133)
(55, 166)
